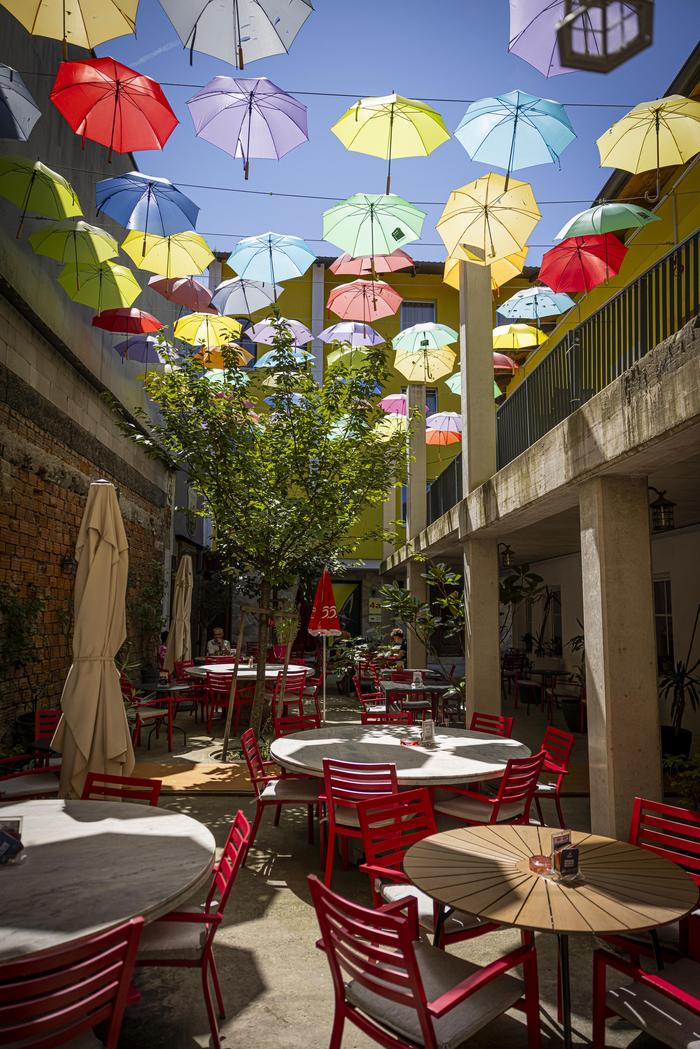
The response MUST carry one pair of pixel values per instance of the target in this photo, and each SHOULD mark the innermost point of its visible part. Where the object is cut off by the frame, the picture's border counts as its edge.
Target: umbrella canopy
(354, 356)
(266, 331)
(239, 295)
(581, 263)
(203, 328)
(77, 243)
(442, 437)
(93, 734)
(37, 190)
(18, 110)
(447, 421)
(533, 31)
(179, 645)
(515, 131)
(324, 621)
(145, 202)
(248, 118)
(347, 266)
(502, 270)
(424, 365)
(395, 404)
(185, 291)
(485, 221)
(270, 257)
(517, 337)
(212, 357)
(178, 255)
(84, 23)
(426, 336)
(503, 365)
(102, 285)
(237, 31)
(606, 218)
(109, 103)
(454, 383)
(353, 332)
(271, 359)
(364, 300)
(129, 321)
(390, 426)
(389, 126)
(142, 348)
(533, 303)
(367, 223)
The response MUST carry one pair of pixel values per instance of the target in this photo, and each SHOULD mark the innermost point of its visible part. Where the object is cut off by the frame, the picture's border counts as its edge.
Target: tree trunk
(258, 708)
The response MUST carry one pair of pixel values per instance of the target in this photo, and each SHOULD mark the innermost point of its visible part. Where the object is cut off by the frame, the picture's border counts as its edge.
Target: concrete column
(318, 302)
(389, 516)
(621, 688)
(416, 497)
(481, 643)
(417, 586)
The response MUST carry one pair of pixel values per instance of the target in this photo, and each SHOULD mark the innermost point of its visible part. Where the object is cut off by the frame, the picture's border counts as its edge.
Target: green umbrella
(372, 223)
(76, 243)
(606, 218)
(36, 189)
(426, 336)
(351, 355)
(102, 285)
(454, 383)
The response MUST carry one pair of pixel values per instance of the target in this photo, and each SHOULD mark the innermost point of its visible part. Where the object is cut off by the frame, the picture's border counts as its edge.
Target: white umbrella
(179, 635)
(241, 296)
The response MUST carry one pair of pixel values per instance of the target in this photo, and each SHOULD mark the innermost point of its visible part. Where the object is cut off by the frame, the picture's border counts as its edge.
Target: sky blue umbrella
(146, 203)
(533, 303)
(270, 257)
(515, 131)
(354, 332)
(18, 110)
(271, 359)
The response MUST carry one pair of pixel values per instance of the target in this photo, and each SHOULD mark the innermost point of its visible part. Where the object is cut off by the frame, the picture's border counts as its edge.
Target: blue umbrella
(271, 257)
(271, 358)
(515, 131)
(18, 110)
(533, 303)
(146, 203)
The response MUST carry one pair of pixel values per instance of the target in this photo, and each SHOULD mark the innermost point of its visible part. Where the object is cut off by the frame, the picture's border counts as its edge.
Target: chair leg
(539, 811)
(217, 986)
(310, 819)
(330, 850)
(344, 852)
(337, 1032)
(278, 813)
(560, 814)
(256, 822)
(213, 1025)
(532, 1003)
(598, 1039)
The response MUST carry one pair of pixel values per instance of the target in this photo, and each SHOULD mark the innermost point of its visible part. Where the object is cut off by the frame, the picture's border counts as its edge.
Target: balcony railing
(587, 359)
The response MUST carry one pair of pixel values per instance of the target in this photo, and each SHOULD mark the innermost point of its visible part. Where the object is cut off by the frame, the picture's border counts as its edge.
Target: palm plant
(681, 685)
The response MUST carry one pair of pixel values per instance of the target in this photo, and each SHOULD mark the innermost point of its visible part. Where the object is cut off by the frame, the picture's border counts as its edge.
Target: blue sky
(454, 49)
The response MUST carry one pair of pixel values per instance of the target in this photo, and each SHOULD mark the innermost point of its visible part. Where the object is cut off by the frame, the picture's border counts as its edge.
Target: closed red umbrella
(134, 322)
(185, 291)
(109, 103)
(364, 300)
(324, 620)
(581, 263)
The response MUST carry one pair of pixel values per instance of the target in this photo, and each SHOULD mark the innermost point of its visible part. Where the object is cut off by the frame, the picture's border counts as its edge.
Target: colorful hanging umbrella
(424, 365)
(237, 31)
(442, 437)
(211, 331)
(503, 365)
(515, 131)
(353, 332)
(395, 404)
(84, 23)
(109, 103)
(248, 118)
(240, 296)
(179, 255)
(77, 243)
(212, 356)
(270, 257)
(18, 110)
(271, 359)
(129, 321)
(147, 203)
(502, 270)
(483, 221)
(517, 338)
(354, 356)
(533, 303)
(185, 291)
(581, 263)
(347, 266)
(368, 223)
(390, 426)
(391, 126)
(266, 331)
(454, 383)
(607, 218)
(102, 285)
(426, 336)
(142, 348)
(533, 30)
(450, 422)
(37, 190)
(364, 300)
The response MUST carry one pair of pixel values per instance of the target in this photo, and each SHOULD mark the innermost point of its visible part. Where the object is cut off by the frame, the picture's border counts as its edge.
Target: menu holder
(11, 847)
(565, 856)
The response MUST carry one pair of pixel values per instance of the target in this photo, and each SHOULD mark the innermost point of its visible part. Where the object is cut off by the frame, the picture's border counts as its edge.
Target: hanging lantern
(507, 555)
(599, 35)
(662, 519)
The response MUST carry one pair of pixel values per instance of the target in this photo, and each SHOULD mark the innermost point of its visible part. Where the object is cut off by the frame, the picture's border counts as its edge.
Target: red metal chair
(102, 787)
(273, 789)
(222, 660)
(402, 675)
(21, 779)
(557, 745)
(389, 826)
(185, 939)
(142, 709)
(290, 723)
(413, 699)
(45, 725)
(58, 996)
(196, 688)
(511, 803)
(345, 784)
(293, 697)
(386, 717)
(493, 724)
(218, 686)
(513, 664)
(403, 993)
(371, 703)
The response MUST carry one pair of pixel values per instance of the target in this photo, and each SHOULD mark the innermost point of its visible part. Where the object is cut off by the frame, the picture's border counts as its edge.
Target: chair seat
(44, 784)
(464, 808)
(669, 935)
(657, 1015)
(177, 940)
(546, 788)
(441, 972)
(146, 713)
(458, 921)
(301, 790)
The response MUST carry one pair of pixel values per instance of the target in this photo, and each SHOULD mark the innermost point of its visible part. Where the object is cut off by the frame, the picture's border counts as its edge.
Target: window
(416, 313)
(431, 399)
(664, 625)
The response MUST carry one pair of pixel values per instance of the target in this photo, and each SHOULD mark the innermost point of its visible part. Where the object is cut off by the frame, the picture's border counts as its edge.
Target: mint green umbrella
(426, 336)
(606, 218)
(454, 383)
(372, 223)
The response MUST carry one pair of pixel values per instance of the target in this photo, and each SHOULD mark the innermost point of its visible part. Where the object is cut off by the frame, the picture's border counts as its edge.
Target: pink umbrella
(347, 266)
(503, 365)
(394, 404)
(185, 291)
(364, 300)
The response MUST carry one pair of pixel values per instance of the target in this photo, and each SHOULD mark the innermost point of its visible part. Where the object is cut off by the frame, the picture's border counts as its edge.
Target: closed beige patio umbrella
(179, 635)
(93, 734)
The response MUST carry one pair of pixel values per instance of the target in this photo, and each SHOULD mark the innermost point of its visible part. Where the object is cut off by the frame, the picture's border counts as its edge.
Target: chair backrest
(180, 667)
(386, 717)
(295, 683)
(557, 745)
(230, 658)
(99, 786)
(347, 782)
(519, 783)
(219, 682)
(54, 997)
(127, 688)
(46, 723)
(393, 823)
(402, 675)
(668, 830)
(289, 723)
(253, 759)
(513, 660)
(232, 859)
(493, 724)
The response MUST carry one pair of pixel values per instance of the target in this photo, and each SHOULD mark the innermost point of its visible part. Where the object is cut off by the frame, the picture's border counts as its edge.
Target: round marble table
(92, 864)
(459, 756)
(245, 673)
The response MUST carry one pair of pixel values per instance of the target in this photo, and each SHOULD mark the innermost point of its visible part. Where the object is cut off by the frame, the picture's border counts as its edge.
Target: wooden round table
(245, 673)
(459, 756)
(92, 864)
(484, 871)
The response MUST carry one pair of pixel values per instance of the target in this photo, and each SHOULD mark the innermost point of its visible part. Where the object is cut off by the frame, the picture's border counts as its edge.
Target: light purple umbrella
(354, 332)
(265, 331)
(533, 33)
(447, 422)
(248, 117)
(142, 348)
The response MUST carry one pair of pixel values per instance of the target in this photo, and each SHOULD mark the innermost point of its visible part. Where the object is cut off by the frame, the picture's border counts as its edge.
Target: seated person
(399, 648)
(218, 645)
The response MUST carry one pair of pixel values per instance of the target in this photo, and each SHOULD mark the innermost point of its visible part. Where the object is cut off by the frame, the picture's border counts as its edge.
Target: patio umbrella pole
(234, 682)
(324, 679)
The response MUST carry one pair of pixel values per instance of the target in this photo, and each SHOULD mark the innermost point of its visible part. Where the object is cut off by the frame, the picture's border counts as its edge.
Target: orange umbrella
(442, 437)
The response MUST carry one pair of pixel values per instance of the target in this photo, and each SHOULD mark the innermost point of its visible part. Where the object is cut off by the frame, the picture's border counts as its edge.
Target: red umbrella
(324, 620)
(106, 101)
(132, 321)
(185, 291)
(503, 365)
(347, 266)
(364, 300)
(581, 263)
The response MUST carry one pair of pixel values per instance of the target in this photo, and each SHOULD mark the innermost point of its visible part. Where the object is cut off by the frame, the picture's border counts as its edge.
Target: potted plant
(19, 627)
(571, 704)
(683, 778)
(680, 687)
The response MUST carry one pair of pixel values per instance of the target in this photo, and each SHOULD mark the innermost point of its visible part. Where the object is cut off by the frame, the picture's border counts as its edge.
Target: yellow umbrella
(501, 271)
(424, 365)
(483, 221)
(36, 189)
(179, 255)
(389, 126)
(212, 357)
(102, 285)
(517, 337)
(390, 426)
(207, 329)
(84, 23)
